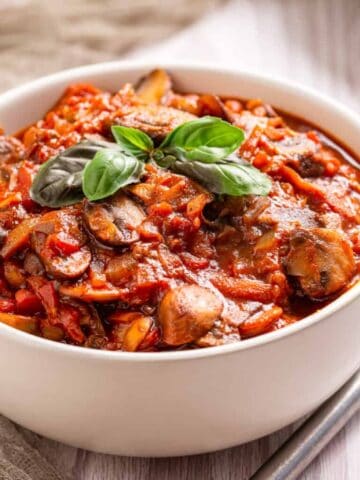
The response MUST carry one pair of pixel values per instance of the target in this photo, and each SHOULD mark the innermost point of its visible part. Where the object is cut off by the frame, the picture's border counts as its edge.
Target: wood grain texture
(338, 461)
(321, 41)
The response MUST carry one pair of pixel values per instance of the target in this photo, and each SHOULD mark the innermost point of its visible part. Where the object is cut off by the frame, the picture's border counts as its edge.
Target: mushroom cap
(188, 312)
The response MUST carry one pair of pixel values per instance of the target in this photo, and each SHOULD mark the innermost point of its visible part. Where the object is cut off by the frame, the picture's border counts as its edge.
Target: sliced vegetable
(18, 238)
(14, 274)
(27, 302)
(68, 318)
(87, 293)
(50, 331)
(187, 313)
(46, 293)
(121, 269)
(154, 87)
(321, 259)
(136, 333)
(20, 322)
(214, 106)
(48, 239)
(260, 323)
(124, 317)
(115, 221)
(244, 288)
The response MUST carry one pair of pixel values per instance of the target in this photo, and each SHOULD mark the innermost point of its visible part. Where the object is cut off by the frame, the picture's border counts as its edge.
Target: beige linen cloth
(311, 41)
(38, 37)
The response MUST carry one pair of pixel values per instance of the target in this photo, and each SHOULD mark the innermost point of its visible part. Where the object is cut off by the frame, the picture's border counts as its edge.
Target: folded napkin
(18, 460)
(38, 37)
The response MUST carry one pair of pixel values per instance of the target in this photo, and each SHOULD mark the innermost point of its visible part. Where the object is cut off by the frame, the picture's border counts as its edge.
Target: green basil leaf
(228, 178)
(133, 141)
(59, 181)
(109, 171)
(207, 139)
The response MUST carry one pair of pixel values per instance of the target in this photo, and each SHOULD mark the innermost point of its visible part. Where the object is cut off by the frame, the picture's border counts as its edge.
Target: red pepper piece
(24, 182)
(68, 318)
(46, 293)
(27, 302)
(63, 244)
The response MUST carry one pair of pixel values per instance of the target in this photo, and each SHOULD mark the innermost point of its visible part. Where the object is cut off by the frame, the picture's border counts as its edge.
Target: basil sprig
(199, 149)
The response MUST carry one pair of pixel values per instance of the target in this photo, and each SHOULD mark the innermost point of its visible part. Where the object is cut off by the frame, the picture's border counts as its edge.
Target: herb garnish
(199, 149)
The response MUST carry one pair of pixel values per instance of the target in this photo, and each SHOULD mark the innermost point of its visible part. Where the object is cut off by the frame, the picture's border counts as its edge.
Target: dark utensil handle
(305, 444)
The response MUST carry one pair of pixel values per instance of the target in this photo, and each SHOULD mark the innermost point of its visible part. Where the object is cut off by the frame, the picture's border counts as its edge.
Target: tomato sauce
(164, 263)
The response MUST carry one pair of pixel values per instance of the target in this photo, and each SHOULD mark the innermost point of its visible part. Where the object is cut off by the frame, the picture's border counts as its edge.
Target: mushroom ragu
(168, 260)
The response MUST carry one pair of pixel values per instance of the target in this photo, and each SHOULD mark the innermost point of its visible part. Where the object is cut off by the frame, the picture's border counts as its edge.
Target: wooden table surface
(329, 32)
(338, 461)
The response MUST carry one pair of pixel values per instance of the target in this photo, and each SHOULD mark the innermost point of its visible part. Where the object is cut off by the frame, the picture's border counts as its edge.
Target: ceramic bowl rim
(293, 88)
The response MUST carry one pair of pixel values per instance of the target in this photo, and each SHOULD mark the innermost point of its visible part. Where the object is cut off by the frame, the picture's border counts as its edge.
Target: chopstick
(306, 443)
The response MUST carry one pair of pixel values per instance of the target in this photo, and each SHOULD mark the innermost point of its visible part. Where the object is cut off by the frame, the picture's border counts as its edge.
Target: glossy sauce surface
(165, 264)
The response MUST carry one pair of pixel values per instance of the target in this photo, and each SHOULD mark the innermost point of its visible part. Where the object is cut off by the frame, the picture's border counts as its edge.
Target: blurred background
(43, 36)
(311, 41)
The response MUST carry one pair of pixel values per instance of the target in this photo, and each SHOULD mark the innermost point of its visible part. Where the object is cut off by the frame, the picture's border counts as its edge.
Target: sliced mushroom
(121, 269)
(71, 266)
(32, 264)
(60, 245)
(136, 333)
(14, 274)
(322, 261)
(154, 87)
(18, 238)
(307, 166)
(115, 221)
(157, 121)
(301, 154)
(11, 150)
(90, 318)
(213, 105)
(186, 313)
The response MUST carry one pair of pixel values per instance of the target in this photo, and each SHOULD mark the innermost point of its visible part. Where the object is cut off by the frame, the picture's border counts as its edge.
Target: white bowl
(187, 402)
